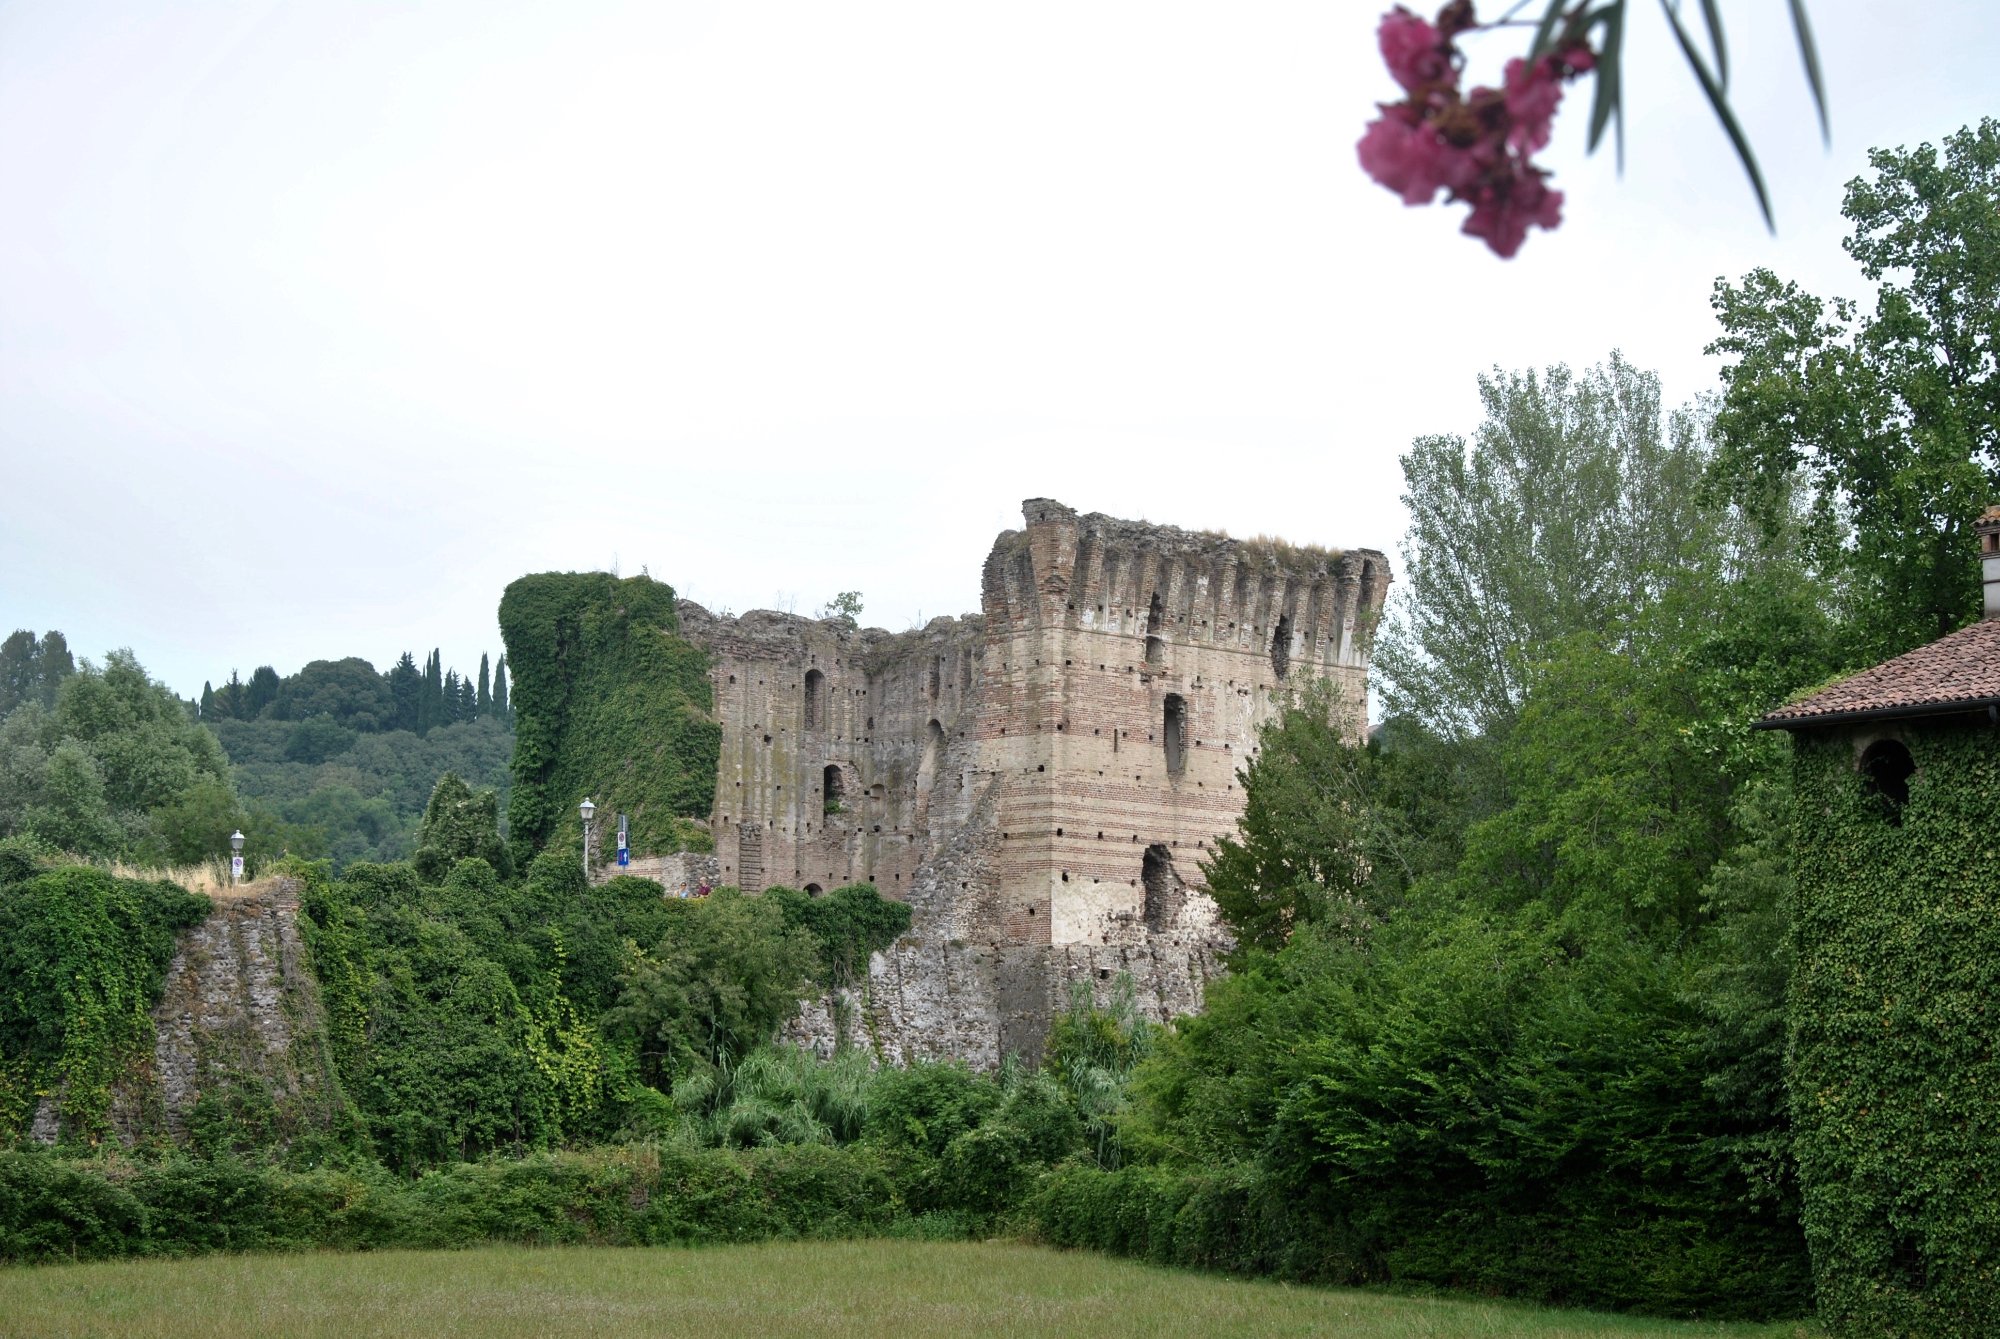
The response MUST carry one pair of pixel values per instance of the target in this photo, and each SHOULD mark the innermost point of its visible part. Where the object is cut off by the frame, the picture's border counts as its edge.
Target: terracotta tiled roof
(1953, 673)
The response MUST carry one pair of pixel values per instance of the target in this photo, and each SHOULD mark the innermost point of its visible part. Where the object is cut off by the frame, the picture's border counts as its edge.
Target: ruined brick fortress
(1039, 781)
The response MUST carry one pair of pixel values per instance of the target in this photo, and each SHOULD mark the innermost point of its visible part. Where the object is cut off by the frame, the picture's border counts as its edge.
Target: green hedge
(54, 1209)
(1240, 1220)
(609, 701)
(1894, 1014)
(1233, 1219)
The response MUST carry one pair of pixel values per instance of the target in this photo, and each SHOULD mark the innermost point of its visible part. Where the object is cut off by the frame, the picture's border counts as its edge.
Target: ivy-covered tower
(1895, 998)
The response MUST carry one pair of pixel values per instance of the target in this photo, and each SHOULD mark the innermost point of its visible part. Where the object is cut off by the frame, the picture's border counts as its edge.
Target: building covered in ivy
(1895, 1000)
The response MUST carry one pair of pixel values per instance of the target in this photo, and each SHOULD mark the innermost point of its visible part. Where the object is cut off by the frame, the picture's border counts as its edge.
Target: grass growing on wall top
(610, 702)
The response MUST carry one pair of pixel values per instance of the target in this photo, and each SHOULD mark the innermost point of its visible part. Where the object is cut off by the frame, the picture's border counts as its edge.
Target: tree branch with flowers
(1478, 146)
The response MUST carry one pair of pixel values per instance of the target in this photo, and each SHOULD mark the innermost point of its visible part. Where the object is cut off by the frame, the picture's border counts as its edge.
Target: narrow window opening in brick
(937, 669)
(1281, 647)
(1162, 885)
(832, 788)
(1175, 733)
(814, 890)
(1367, 600)
(933, 753)
(815, 700)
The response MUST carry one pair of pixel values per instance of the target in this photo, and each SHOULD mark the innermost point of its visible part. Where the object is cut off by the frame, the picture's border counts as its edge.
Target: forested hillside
(338, 760)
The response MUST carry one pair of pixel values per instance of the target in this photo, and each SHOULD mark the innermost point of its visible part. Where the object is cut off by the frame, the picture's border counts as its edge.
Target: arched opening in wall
(933, 754)
(1174, 733)
(1281, 647)
(1162, 887)
(1367, 602)
(1156, 642)
(815, 700)
(832, 789)
(814, 890)
(1886, 769)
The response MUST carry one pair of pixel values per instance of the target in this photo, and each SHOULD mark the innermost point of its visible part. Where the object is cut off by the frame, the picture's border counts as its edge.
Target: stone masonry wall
(1039, 781)
(238, 1008)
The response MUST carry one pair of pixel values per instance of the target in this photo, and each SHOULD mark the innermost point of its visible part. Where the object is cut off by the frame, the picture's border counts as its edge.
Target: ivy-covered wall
(82, 956)
(610, 702)
(1894, 1015)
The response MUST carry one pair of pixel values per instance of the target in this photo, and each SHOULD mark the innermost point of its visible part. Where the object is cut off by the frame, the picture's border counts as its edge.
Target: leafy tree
(1333, 831)
(1892, 416)
(460, 825)
(1560, 510)
(316, 739)
(261, 692)
(32, 669)
(728, 971)
(348, 692)
(844, 607)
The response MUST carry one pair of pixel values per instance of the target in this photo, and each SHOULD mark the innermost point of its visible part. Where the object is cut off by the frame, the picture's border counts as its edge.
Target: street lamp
(236, 857)
(586, 809)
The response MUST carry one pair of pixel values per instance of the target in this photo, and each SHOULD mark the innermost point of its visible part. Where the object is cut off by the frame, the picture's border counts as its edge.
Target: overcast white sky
(320, 322)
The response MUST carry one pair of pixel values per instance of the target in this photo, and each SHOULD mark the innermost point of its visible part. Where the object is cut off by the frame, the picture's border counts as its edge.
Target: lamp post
(236, 857)
(586, 809)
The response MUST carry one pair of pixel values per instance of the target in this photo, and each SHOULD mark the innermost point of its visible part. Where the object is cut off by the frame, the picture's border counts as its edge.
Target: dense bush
(643, 1194)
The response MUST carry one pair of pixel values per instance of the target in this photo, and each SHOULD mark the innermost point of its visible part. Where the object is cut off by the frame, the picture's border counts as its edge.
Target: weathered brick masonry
(1038, 781)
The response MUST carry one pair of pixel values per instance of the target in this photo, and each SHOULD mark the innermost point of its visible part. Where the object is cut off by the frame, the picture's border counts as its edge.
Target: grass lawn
(832, 1288)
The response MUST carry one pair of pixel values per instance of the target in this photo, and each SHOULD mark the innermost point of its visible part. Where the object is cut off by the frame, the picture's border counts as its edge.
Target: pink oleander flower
(1415, 51)
(1411, 158)
(1502, 212)
(1533, 93)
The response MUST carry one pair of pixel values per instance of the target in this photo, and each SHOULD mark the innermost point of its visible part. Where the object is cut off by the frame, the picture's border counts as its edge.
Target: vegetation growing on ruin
(1897, 941)
(83, 955)
(610, 703)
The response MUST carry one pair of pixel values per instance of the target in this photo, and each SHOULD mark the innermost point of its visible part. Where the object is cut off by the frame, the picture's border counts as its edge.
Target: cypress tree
(500, 707)
(451, 695)
(484, 703)
(406, 686)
